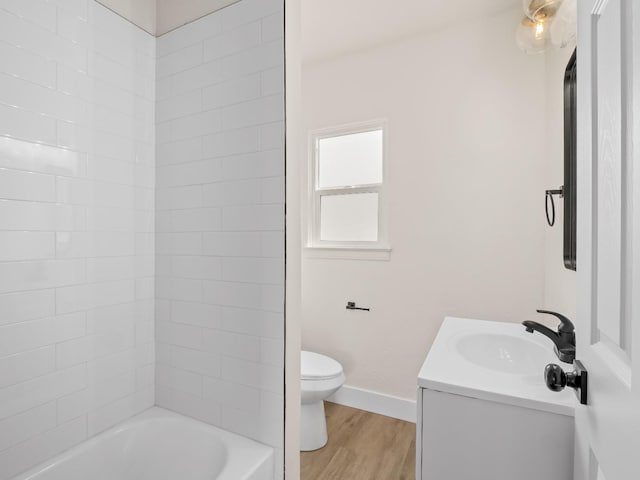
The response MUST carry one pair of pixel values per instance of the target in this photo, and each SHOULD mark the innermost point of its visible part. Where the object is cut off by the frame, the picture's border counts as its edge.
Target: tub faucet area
(564, 339)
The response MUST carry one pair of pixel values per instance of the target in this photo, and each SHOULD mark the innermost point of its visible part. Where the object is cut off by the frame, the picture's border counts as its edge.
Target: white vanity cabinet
(484, 412)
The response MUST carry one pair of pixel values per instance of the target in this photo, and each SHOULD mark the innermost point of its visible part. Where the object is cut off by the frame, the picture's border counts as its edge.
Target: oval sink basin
(503, 353)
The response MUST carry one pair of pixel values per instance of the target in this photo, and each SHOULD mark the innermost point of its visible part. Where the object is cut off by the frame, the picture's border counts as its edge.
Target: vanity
(484, 412)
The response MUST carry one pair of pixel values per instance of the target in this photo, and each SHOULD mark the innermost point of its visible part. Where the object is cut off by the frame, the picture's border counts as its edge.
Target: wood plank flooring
(362, 446)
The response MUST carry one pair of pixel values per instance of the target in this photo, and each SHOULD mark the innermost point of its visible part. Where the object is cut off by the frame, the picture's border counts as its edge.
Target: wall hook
(551, 219)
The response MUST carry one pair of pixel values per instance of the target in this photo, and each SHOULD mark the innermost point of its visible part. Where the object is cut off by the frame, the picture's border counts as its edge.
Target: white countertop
(505, 372)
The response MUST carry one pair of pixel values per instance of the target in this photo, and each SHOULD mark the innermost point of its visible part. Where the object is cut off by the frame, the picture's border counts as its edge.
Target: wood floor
(362, 446)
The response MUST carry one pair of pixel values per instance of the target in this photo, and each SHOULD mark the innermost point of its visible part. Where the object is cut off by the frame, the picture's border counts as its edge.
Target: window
(347, 204)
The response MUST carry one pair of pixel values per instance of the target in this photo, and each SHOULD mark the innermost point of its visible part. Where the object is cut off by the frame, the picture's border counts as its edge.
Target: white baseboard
(375, 402)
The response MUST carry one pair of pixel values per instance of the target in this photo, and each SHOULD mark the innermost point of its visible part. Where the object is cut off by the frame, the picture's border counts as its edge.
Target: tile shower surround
(141, 223)
(220, 220)
(77, 158)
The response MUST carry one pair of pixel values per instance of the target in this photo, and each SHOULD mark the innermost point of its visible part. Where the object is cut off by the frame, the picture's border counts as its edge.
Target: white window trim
(316, 248)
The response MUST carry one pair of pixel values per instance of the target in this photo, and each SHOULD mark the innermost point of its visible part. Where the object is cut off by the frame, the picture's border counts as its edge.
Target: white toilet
(320, 377)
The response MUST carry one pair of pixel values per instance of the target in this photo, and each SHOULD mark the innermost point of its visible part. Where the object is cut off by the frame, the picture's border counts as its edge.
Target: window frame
(316, 193)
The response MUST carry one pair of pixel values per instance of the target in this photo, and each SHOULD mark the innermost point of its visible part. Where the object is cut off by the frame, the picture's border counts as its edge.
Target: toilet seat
(314, 366)
(310, 389)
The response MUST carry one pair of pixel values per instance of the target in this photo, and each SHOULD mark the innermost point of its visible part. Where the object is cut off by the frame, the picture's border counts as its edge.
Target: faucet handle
(566, 325)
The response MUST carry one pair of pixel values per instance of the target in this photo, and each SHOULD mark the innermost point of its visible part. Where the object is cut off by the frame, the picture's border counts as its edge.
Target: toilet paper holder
(352, 306)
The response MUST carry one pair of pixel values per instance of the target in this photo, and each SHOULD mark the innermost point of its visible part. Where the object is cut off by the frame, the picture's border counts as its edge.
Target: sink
(482, 392)
(502, 353)
(494, 361)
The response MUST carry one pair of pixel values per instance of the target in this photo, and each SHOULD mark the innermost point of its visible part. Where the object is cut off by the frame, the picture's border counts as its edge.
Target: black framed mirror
(570, 145)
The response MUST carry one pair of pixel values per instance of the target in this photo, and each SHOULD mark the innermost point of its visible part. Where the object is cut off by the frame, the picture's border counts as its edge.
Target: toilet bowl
(320, 377)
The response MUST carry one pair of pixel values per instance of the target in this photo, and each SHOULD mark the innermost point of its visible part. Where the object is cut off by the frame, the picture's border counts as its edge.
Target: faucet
(564, 339)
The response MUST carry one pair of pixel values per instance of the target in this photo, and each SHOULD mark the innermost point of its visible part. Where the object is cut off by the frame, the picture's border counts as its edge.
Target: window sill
(347, 253)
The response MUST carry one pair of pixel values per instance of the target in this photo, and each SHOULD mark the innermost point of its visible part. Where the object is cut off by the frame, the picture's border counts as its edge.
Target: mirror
(570, 142)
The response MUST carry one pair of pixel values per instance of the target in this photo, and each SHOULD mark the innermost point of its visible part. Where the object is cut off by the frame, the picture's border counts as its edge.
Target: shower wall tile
(23, 366)
(29, 424)
(179, 61)
(88, 289)
(220, 220)
(39, 448)
(20, 185)
(28, 66)
(245, 12)
(77, 179)
(232, 42)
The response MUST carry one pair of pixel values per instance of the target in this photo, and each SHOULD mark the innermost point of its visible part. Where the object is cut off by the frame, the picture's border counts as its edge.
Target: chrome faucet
(564, 339)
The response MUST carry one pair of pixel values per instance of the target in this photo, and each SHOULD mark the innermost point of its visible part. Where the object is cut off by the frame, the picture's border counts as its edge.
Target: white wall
(559, 283)
(466, 114)
(220, 220)
(76, 226)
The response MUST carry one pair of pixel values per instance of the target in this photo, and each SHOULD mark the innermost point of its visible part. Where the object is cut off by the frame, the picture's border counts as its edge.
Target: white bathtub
(160, 445)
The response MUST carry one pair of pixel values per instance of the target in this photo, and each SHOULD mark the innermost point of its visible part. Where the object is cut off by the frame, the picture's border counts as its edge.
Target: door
(608, 260)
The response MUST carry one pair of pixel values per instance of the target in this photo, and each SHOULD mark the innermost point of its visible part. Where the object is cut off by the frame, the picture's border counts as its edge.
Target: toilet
(320, 377)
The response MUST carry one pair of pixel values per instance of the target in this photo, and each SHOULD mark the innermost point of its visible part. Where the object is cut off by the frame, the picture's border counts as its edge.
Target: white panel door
(608, 241)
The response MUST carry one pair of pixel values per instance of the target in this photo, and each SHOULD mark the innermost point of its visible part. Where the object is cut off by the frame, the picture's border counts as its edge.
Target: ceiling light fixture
(533, 32)
(540, 10)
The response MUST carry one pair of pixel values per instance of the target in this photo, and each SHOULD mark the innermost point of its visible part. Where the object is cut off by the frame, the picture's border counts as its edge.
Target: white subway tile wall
(220, 220)
(77, 178)
(141, 223)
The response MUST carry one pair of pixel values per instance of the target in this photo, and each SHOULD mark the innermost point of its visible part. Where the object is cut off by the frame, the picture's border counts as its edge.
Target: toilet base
(313, 426)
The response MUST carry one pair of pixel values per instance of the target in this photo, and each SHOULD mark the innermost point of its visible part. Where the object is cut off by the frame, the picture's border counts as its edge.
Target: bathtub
(160, 445)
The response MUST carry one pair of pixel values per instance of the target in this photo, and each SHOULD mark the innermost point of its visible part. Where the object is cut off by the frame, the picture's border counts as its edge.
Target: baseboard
(375, 402)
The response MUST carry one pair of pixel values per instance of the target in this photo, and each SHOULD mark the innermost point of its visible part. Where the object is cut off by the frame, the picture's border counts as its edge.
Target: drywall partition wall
(295, 149)
(465, 110)
(559, 283)
(76, 226)
(220, 220)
